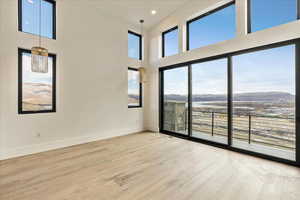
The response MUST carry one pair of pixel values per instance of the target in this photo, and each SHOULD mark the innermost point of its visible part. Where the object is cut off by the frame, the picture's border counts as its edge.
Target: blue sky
(31, 17)
(268, 70)
(261, 71)
(171, 43)
(133, 82)
(210, 77)
(176, 81)
(269, 13)
(221, 25)
(213, 28)
(133, 46)
(32, 77)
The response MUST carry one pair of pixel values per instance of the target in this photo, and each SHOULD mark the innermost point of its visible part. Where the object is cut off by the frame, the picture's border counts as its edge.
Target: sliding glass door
(175, 100)
(264, 102)
(209, 100)
(245, 101)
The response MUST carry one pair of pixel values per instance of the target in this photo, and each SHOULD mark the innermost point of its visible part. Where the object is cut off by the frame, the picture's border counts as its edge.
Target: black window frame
(140, 90)
(229, 56)
(163, 39)
(20, 84)
(20, 18)
(249, 9)
(202, 16)
(140, 44)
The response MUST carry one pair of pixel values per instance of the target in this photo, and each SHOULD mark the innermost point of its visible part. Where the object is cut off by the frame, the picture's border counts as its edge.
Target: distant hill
(37, 96)
(255, 96)
(133, 96)
(264, 96)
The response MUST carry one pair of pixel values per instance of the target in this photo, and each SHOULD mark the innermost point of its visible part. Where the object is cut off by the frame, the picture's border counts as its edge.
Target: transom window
(31, 20)
(268, 13)
(134, 45)
(212, 27)
(170, 42)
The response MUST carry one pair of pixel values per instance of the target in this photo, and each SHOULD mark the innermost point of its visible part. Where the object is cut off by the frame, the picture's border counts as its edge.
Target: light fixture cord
(40, 35)
(142, 30)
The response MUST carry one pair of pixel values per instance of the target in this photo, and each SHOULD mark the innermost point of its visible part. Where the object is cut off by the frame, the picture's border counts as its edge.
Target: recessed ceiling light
(153, 12)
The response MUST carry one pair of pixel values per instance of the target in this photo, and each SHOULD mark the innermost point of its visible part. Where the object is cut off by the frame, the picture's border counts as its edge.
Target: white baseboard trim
(57, 144)
(152, 129)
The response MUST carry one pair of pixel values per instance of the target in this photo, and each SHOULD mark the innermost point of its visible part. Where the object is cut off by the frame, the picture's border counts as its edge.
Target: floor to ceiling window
(264, 101)
(245, 101)
(209, 100)
(175, 100)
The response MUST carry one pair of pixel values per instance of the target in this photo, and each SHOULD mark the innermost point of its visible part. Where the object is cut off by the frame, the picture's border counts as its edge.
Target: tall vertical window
(134, 45)
(268, 13)
(264, 101)
(175, 100)
(215, 26)
(34, 22)
(134, 88)
(170, 42)
(36, 90)
(209, 100)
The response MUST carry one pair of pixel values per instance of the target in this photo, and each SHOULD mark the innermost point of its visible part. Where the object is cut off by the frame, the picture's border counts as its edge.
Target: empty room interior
(149, 99)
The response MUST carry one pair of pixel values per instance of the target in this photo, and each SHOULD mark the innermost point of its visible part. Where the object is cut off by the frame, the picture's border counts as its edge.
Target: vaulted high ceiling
(134, 10)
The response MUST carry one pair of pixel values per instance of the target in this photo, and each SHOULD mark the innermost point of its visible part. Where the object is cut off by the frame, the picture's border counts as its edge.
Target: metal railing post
(185, 120)
(249, 139)
(212, 123)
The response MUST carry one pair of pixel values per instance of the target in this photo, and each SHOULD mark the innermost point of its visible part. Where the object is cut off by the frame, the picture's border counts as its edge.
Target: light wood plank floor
(146, 166)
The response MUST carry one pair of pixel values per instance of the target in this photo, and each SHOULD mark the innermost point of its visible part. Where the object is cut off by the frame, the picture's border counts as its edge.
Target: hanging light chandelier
(39, 55)
(142, 70)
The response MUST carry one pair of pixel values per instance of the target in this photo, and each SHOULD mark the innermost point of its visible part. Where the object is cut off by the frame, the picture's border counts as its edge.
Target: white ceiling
(134, 10)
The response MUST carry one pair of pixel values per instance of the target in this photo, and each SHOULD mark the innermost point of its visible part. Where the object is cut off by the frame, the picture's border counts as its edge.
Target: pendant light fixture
(39, 55)
(142, 70)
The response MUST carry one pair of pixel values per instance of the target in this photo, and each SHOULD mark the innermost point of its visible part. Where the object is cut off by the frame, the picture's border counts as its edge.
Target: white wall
(1, 81)
(241, 41)
(92, 63)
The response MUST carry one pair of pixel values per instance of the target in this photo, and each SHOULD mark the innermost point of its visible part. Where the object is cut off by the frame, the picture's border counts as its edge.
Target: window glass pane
(264, 102)
(133, 46)
(31, 17)
(216, 27)
(133, 88)
(176, 100)
(269, 13)
(171, 43)
(209, 100)
(37, 88)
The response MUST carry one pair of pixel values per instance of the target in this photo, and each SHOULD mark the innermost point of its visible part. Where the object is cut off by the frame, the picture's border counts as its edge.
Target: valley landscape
(269, 117)
(37, 97)
(133, 100)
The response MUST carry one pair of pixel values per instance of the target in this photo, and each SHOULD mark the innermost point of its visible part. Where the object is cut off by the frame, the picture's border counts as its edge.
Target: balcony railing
(266, 130)
(270, 131)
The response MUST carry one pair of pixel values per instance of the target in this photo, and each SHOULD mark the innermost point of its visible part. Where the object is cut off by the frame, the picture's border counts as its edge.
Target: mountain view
(254, 96)
(37, 96)
(133, 99)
